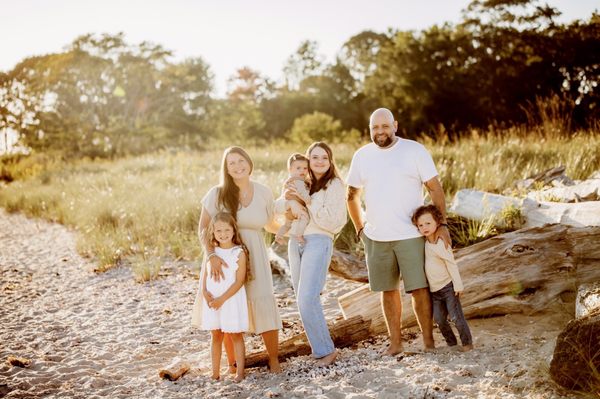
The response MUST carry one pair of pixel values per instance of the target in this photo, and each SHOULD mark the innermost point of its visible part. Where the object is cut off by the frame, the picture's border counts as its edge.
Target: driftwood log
(343, 332)
(588, 190)
(576, 360)
(547, 177)
(479, 205)
(519, 272)
(342, 264)
(175, 370)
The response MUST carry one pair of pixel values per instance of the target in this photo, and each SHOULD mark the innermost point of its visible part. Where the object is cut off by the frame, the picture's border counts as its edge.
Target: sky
(227, 34)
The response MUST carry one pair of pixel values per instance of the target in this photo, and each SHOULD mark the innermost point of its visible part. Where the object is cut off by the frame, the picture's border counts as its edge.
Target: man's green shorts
(389, 261)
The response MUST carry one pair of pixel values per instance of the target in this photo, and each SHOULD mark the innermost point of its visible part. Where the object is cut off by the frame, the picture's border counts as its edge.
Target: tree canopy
(505, 62)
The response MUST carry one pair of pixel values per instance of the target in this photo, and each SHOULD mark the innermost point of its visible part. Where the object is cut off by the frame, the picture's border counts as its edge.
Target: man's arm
(353, 204)
(436, 192)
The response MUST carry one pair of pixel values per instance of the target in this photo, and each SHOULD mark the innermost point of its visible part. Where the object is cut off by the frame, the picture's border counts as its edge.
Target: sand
(94, 335)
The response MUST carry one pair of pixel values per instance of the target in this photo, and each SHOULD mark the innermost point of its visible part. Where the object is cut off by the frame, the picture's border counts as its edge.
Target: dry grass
(147, 207)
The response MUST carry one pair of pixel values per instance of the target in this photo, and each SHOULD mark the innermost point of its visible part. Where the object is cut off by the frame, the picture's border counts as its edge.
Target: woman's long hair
(228, 218)
(332, 173)
(228, 197)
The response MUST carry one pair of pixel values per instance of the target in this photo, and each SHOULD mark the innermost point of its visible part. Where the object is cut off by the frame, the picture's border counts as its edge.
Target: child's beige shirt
(440, 267)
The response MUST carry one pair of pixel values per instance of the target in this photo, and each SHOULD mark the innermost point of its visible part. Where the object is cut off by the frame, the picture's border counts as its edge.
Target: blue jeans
(445, 303)
(309, 263)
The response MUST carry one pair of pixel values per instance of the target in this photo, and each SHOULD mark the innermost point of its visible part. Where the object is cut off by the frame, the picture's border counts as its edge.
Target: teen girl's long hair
(228, 196)
(228, 218)
(332, 173)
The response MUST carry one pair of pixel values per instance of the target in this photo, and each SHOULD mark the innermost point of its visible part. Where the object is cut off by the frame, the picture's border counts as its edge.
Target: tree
(247, 85)
(103, 96)
(316, 127)
(303, 63)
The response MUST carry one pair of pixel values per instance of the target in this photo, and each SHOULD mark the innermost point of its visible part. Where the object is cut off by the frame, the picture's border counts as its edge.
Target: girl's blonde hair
(228, 218)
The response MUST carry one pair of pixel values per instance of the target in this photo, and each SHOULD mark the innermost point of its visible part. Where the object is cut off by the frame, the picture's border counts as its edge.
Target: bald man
(392, 171)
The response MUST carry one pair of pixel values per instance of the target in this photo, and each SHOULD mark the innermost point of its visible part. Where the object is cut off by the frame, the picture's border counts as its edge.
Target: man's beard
(388, 140)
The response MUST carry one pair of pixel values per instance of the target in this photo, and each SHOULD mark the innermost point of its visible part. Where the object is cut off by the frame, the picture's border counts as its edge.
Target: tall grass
(147, 207)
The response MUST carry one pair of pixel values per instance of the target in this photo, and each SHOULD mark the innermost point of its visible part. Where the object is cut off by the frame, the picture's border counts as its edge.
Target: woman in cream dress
(251, 204)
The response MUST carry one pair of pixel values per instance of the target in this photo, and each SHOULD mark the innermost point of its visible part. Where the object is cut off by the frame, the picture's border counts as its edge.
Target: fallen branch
(175, 370)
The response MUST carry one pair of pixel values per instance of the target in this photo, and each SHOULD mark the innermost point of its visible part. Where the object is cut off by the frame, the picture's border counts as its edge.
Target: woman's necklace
(245, 193)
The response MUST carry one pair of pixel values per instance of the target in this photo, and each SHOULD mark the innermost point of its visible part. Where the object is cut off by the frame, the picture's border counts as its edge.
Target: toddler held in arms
(444, 279)
(225, 310)
(297, 218)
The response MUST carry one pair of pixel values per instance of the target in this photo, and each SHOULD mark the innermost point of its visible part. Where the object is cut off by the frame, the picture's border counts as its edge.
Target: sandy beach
(94, 335)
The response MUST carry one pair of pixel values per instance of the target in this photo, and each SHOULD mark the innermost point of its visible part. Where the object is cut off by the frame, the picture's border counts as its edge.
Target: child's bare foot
(466, 348)
(429, 349)
(327, 360)
(239, 378)
(216, 377)
(393, 350)
(232, 369)
(274, 366)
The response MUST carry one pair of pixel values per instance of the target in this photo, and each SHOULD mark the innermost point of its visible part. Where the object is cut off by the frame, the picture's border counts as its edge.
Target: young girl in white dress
(225, 310)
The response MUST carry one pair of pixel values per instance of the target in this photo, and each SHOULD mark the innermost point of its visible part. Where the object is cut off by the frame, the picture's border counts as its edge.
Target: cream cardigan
(327, 209)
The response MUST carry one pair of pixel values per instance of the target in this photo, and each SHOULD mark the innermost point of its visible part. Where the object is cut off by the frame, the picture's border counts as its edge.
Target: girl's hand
(208, 296)
(216, 268)
(216, 303)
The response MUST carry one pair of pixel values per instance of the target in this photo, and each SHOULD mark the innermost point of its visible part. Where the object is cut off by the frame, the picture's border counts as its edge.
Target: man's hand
(216, 268)
(443, 233)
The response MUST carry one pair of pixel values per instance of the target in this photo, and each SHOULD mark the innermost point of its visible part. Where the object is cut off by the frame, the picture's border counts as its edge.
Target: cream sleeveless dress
(262, 308)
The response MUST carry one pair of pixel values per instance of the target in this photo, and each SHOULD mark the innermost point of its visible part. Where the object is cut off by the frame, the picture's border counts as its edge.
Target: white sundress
(232, 316)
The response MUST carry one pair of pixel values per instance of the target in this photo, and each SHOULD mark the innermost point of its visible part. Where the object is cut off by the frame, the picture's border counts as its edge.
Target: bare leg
(421, 301)
(271, 339)
(240, 354)
(229, 351)
(215, 352)
(392, 310)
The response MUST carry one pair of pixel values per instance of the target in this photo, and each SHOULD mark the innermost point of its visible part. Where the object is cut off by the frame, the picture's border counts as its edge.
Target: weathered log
(588, 190)
(279, 261)
(342, 264)
(588, 299)
(175, 370)
(576, 360)
(479, 205)
(343, 332)
(546, 177)
(519, 272)
(18, 361)
(348, 267)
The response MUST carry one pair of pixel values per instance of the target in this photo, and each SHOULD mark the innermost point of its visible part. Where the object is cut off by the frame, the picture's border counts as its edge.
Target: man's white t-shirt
(392, 179)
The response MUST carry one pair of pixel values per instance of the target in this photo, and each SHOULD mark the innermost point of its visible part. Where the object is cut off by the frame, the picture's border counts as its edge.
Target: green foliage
(465, 232)
(508, 62)
(315, 127)
(511, 217)
(104, 97)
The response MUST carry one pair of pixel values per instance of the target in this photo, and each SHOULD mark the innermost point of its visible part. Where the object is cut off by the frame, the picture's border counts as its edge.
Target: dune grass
(144, 208)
